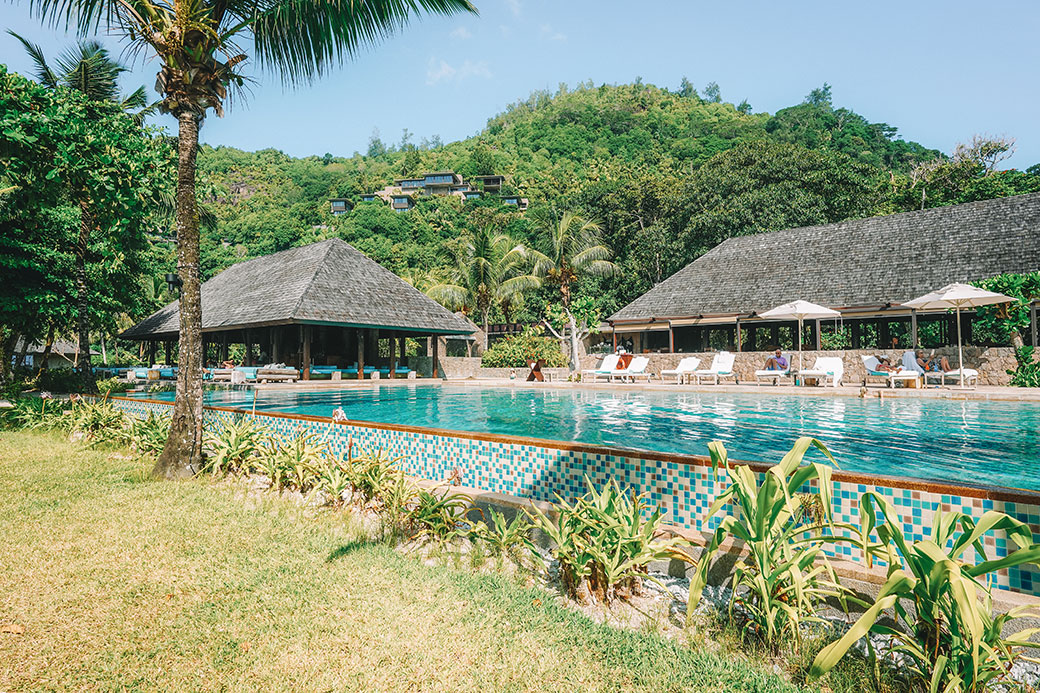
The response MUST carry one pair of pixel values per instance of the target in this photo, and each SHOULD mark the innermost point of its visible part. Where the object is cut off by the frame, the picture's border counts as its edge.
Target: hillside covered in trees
(667, 173)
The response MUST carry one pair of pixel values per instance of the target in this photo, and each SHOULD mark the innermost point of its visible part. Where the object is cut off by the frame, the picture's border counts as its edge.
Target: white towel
(910, 362)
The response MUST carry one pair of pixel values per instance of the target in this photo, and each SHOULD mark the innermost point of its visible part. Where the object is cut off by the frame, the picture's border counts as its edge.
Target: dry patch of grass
(125, 583)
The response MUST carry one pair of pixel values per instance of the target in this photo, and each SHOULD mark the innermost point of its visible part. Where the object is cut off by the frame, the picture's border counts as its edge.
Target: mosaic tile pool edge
(683, 490)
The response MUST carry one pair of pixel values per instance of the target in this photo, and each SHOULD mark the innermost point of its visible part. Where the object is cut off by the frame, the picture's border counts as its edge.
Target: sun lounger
(685, 368)
(826, 368)
(971, 377)
(606, 367)
(767, 374)
(271, 374)
(890, 378)
(636, 369)
(721, 367)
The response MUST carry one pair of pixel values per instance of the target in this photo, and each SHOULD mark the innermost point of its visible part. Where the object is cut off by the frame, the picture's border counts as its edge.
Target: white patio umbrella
(799, 310)
(957, 296)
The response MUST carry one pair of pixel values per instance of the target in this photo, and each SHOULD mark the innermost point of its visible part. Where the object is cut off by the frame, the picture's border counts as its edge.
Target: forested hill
(669, 174)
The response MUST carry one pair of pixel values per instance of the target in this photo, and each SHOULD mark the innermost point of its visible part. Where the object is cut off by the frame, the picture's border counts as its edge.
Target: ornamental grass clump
(604, 543)
(234, 446)
(148, 436)
(940, 600)
(783, 574)
(510, 539)
(36, 413)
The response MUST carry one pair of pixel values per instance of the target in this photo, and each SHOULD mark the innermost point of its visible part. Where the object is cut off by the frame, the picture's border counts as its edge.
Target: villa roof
(864, 263)
(60, 347)
(323, 283)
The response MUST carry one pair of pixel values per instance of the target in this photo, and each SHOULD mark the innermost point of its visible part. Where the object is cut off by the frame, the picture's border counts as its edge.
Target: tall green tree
(199, 44)
(571, 246)
(87, 68)
(491, 270)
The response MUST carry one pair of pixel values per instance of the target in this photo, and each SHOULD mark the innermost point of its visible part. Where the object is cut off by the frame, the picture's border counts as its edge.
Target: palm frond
(44, 75)
(451, 296)
(590, 254)
(302, 39)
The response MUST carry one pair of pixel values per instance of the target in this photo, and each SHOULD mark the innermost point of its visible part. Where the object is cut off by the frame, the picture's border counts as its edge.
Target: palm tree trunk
(82, 300)
(182, 453)
(8, 338)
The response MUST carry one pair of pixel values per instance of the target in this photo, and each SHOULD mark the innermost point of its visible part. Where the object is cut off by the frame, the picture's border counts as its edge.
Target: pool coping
(983, 491)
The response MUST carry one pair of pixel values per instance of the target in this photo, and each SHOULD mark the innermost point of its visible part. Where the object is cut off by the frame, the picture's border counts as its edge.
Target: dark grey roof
(327, 282)
(863, 262)
(60, 347)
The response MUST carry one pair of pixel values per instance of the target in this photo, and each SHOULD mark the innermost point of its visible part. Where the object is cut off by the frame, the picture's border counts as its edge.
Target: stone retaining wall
(463, 367)
(992, 363)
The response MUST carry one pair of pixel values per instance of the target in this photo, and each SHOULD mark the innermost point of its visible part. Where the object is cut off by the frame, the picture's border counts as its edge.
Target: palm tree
(198, 46)
(571, 246)
(490, 270)
(87, 68)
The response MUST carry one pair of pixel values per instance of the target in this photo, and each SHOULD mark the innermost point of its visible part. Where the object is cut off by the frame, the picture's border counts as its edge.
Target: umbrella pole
(800, 351)
(960, 349)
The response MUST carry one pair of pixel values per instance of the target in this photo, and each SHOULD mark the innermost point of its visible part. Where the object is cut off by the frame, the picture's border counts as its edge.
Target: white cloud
(514, 7)
(438, 71)
(548, 33)
(462, 33)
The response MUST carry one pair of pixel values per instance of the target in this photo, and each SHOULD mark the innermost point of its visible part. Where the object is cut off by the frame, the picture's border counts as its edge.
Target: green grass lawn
(125, 583)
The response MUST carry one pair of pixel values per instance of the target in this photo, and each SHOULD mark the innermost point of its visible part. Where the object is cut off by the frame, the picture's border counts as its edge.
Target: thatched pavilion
(319, 304)
(864, 268)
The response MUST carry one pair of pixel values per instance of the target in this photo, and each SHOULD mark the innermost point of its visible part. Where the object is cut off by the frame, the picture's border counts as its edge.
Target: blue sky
(940, 71)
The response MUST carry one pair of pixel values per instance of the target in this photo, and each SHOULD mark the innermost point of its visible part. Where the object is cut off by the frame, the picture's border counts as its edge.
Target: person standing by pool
(776, 362)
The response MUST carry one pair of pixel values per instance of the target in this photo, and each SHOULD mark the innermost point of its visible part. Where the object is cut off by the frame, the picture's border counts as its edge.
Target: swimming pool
(974, 442)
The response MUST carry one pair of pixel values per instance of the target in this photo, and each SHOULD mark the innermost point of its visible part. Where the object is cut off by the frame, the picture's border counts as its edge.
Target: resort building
(340, 205)
(62, 354)
(324, 304)
(864, 268)
(402, 193)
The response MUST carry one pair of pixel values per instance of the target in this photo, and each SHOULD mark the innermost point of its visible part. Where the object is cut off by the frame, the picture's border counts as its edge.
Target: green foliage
(603, 541)
(99, 421)
(35, 413)
(112, 386)
(508, 538)
(148, 436)
(1027, 374)
(784, 575)
(295, 460)
(941, 599)
(233, 447)
(1007, 323)
(518, 351)
(439, 517)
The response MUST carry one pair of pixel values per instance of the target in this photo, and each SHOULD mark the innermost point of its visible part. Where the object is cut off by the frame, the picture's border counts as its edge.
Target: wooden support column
(819, 337)
(393, 354)
(913, 329)
(404, 347)
(169, 352)
(436, 357)
(151, 352)
(1032, 322)
(306, 357)
(671, 339)
(360, 354)
(740, 335)
(613, 337)
(223, 347)
(249, 348)
(274, 345)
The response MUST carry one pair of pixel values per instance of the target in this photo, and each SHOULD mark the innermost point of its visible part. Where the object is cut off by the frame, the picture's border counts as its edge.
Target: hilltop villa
(402, 193)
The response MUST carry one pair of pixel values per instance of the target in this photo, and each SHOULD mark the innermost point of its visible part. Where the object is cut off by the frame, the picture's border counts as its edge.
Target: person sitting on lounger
(885, 366)
(776, 362)
(228, 364)
(936, 364)
(536, 371)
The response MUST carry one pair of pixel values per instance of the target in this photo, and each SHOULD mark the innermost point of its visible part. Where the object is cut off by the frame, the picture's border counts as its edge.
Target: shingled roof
(860, 263)
(323, 283)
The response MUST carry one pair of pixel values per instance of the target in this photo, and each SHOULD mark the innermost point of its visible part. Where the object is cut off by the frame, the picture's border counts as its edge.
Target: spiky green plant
(147, 436)
(941, 601)
(440, 517)
(334, 477)
(603, 540)
(783, 574)
(508, 538)
(231, 447)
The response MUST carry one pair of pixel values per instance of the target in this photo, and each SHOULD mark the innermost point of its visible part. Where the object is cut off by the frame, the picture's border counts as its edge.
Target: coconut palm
(86, 67)
(490, 270)
(570, 246)
(199, 46)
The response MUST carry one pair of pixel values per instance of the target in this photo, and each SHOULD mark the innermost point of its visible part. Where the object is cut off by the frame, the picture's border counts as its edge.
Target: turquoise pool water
(993, 443)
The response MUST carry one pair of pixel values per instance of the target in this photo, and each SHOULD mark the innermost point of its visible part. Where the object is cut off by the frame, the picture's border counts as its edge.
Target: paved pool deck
(982, 393)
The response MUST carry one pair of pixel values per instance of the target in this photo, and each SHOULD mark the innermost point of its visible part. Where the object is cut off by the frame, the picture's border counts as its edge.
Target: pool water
(977, 442)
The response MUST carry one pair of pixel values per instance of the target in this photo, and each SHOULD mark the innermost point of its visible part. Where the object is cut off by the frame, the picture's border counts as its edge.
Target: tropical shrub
(372, 474)
(603, 543)
(148, 436)
(333, 476)
(1027, 374)
(57, 380)
(518, 351)
(36, 413)
(109, 386)
(505, 538)
(941, 602)
(784, 575)
(98, 421)
(233, 446)
(297, 458)
(439, 517)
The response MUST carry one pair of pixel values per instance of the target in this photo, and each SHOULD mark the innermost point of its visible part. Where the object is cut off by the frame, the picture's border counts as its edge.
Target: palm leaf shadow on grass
(347, 549)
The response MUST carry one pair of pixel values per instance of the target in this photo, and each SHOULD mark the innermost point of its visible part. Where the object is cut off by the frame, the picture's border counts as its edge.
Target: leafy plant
(110, 386)
(334, 478)
(1027, 374)
(232, 446)
(35, 413)
(99, 421)
(517, 351)
(372, 474)
(784, 575)
(439, 517)
(298, 458)
(942, 602)
(603, 542)
(509, 538)
(148, 436)
(394, 498)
